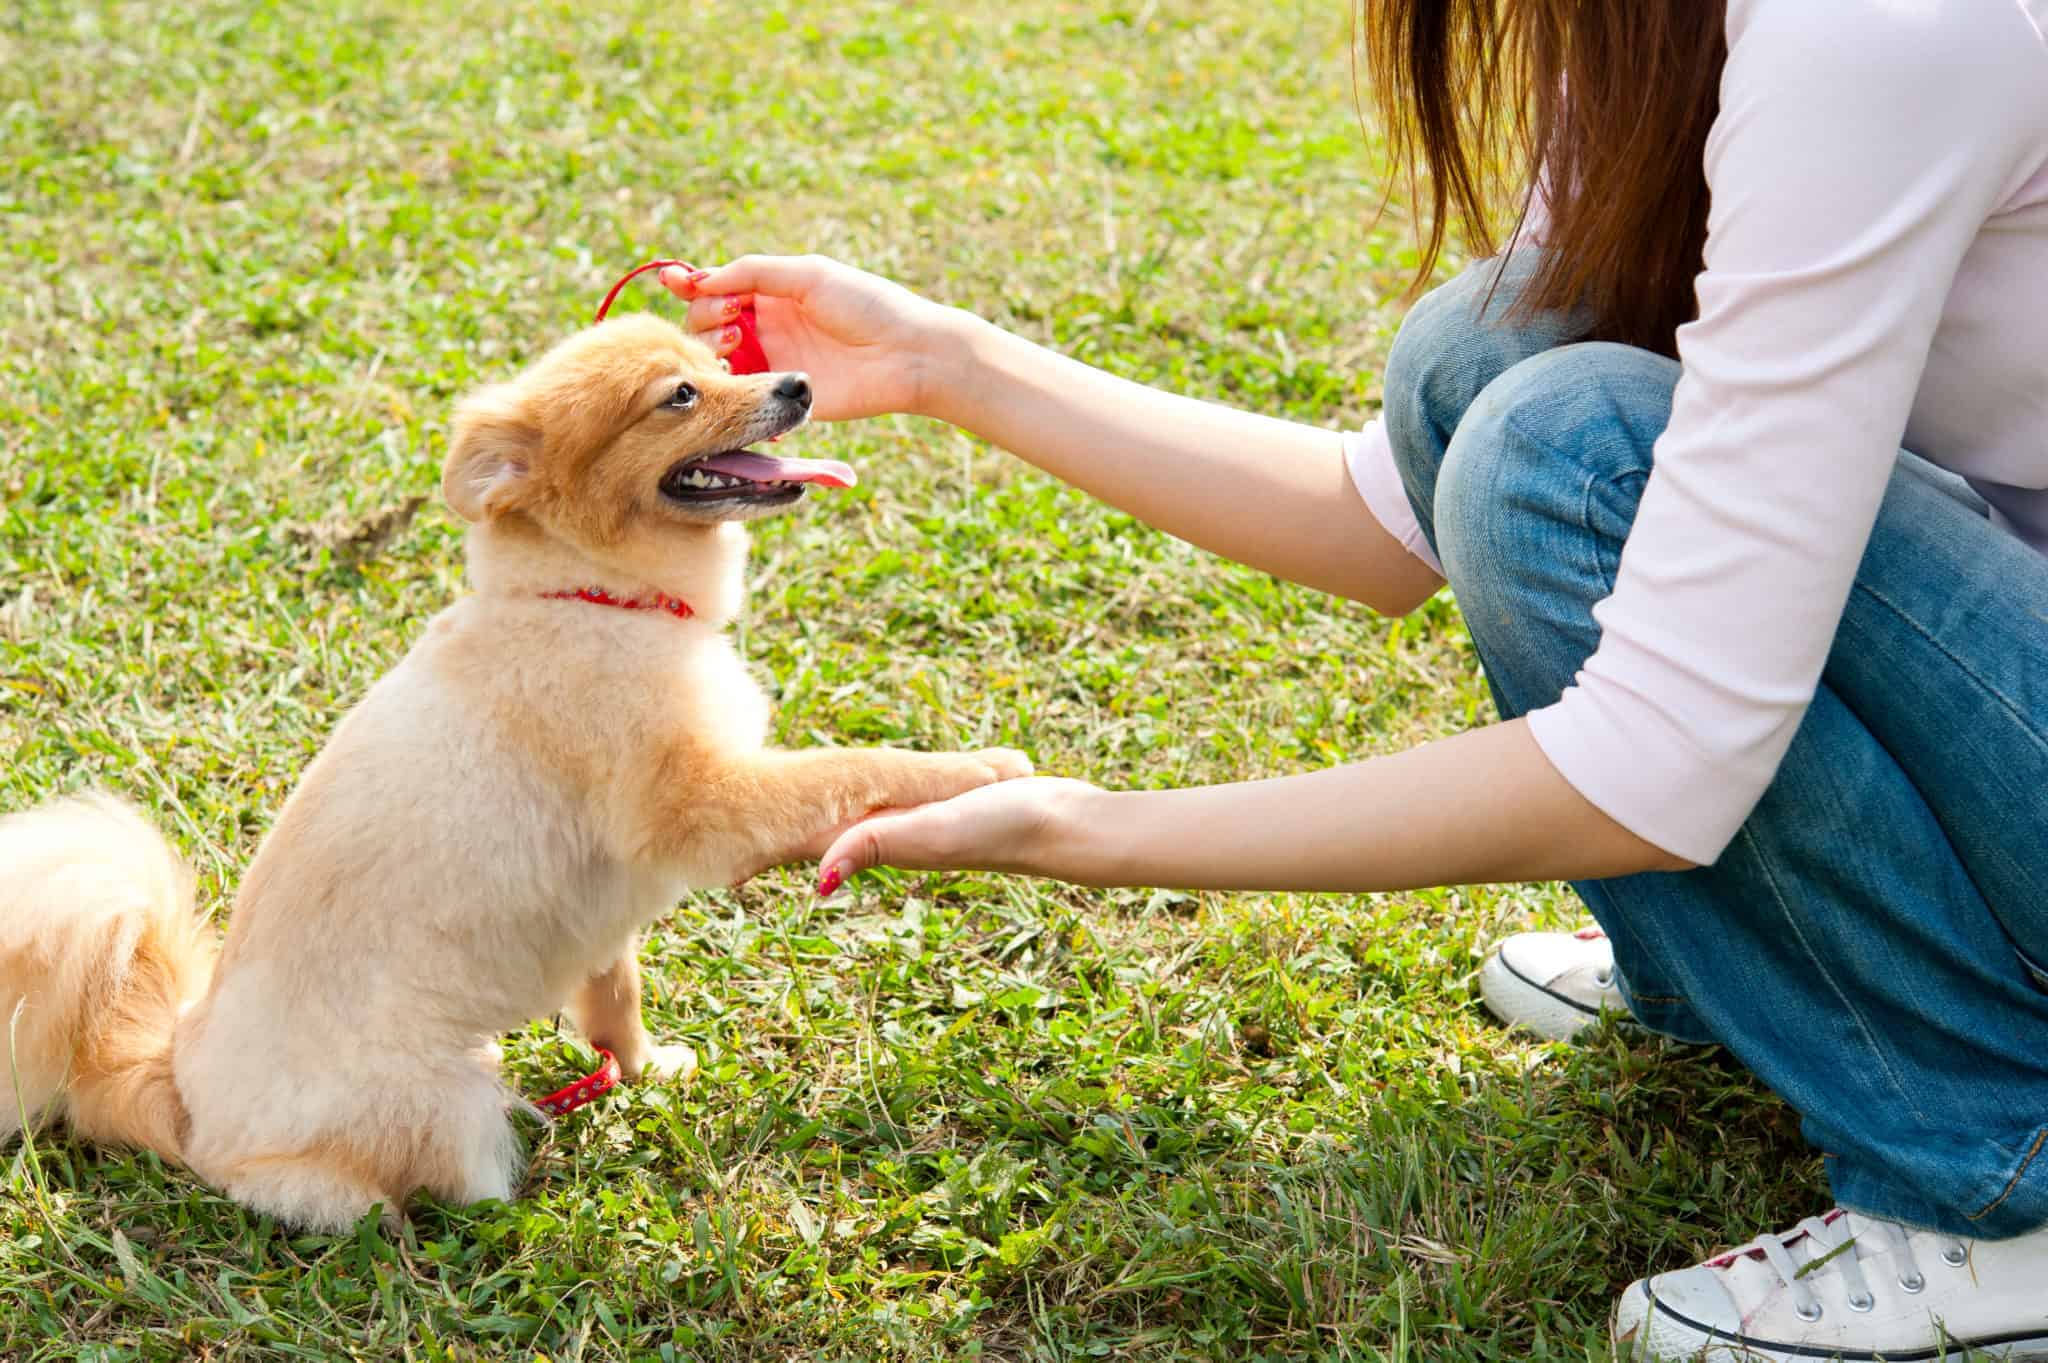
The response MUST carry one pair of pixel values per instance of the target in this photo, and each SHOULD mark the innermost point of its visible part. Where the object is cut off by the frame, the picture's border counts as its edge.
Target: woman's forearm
(1482, 807)
(1269, 493)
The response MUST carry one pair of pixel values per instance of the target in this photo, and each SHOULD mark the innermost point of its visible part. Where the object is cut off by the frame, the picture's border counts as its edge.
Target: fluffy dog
(563, 753)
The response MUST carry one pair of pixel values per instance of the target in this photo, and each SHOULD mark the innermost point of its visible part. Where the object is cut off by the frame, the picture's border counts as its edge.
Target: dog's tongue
(768, 468)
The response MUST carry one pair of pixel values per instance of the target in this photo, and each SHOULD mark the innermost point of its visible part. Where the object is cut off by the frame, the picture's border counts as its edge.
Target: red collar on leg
(598, 596)
(595, 1084)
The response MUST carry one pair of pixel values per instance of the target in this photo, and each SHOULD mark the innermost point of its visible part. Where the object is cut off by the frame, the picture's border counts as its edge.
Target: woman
(1774, 692)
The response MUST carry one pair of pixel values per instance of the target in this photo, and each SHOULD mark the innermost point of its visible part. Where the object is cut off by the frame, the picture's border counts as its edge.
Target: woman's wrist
(1077, 840)
(949, 362)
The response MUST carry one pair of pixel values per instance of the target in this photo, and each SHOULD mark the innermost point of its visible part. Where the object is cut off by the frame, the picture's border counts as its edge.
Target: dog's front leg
(731, 817)
(607, 1010)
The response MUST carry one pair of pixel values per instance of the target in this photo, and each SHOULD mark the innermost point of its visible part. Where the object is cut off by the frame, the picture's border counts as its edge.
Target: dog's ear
(490, 454)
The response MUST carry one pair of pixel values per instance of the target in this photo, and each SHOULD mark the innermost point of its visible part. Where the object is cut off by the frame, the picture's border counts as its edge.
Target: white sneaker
(1846, 1286)
(1555, 984)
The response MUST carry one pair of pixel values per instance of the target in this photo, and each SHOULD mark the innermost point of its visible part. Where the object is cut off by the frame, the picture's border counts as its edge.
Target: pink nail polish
(834, 876)
(729, 309)
(728, 339)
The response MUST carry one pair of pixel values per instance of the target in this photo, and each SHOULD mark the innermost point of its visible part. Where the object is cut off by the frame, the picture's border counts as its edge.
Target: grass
(253, 253)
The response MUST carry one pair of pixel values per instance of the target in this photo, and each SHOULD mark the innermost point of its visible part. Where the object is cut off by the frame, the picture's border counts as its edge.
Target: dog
(566, 750)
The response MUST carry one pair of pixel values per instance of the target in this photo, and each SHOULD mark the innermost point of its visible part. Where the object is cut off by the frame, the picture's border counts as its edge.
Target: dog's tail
(100, 949)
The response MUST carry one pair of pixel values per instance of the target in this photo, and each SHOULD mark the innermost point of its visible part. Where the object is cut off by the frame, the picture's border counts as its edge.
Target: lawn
(254, 252)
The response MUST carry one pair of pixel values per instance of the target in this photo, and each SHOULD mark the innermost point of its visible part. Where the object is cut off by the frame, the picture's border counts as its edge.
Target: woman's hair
(1608, 101)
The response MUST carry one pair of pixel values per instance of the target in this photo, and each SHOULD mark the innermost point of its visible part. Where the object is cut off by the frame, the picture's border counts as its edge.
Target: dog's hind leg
(310, 1190)
(607, 1009)
(472, 1154)
(463, 1150)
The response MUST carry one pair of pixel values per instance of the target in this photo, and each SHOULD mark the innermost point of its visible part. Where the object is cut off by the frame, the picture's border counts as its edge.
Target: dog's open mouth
(743, 475)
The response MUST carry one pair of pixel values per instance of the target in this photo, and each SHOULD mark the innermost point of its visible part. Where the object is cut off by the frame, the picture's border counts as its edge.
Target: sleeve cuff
(1637, 769)
(1369, 456)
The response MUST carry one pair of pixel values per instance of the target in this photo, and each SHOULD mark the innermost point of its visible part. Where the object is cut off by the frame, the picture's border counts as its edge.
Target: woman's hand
(867, 344)
(1019, 826)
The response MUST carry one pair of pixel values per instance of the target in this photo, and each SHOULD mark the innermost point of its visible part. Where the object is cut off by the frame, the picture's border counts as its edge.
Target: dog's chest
(724, 705)
(613, 900)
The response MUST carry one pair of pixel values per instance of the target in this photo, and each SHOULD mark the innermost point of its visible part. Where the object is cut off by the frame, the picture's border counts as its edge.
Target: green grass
(254, 251)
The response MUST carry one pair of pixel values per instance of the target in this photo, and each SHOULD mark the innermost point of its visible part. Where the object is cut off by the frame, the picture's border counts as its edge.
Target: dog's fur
(477, 845)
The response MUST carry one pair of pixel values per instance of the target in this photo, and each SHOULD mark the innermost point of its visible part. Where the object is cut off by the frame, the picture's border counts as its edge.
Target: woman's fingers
(679, 281)
(780, 276)
(1000, 827)
(707, 314)
(924, 838)
(866, 844)
(777, 276)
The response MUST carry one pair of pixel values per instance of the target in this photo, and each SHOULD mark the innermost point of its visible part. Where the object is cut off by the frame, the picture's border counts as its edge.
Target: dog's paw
(1007, 763)
(674, 1061)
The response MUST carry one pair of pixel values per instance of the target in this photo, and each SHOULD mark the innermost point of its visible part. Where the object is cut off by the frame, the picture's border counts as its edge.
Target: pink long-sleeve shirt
(1876, 276)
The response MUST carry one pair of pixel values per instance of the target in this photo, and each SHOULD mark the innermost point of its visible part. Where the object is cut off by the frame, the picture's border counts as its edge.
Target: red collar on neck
(597, 1083)
(598, 596)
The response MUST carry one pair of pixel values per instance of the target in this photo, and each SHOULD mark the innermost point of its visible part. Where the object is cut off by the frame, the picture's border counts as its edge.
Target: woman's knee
(1451, 345)
(1536, 439)
(1536, 495)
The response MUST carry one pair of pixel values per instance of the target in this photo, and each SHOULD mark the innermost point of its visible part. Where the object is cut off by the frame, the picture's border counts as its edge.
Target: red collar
(598, 596)
(595, 1084)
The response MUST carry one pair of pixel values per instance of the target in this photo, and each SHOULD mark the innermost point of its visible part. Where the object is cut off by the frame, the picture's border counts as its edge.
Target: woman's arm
(1483, 806)
(1268, 493)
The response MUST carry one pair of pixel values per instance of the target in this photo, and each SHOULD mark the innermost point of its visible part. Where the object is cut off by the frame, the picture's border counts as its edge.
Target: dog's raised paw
(1007, 763)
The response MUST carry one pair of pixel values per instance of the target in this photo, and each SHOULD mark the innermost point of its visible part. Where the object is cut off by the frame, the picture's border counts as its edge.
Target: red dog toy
(747, 357)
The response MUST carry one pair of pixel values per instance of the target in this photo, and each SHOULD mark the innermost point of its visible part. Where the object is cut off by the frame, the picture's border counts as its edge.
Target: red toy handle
(746, 358)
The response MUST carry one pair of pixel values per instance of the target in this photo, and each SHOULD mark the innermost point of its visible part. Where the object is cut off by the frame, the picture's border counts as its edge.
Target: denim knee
(1534, 499)
(1452, 344)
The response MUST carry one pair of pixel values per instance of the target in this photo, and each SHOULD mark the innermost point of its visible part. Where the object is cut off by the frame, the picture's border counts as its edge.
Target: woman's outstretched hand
(1481, 807)
(1016, 826)
(868, 344)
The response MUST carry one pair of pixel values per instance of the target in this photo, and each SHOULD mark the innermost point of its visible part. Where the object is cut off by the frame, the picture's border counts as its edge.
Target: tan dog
(483, 837)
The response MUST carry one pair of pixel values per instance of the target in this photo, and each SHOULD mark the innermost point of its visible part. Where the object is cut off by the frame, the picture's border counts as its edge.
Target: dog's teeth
(713, 482)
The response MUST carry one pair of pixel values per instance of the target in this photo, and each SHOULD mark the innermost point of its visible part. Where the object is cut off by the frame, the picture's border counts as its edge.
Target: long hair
(1606, 103)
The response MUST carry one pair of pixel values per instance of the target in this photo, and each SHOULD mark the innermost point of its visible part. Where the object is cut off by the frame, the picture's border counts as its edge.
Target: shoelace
(1837, 1250)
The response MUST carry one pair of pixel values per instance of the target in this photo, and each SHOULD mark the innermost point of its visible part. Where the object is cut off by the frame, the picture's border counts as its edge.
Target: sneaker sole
(1521, 1002)
(1669, 1336)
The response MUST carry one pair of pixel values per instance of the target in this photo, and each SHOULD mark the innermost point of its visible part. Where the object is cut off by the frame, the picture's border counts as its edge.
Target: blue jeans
(1874, 944)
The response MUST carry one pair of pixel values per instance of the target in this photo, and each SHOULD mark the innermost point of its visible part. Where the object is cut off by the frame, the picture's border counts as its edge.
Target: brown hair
(1608, 100)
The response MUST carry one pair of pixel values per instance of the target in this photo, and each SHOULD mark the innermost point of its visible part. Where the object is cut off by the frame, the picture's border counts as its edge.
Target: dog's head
(627, 433)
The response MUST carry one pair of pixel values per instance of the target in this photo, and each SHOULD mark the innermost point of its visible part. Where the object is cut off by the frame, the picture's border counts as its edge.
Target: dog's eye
(683, 399)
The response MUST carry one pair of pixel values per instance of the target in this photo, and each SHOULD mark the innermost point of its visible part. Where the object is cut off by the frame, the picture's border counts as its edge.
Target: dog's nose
(795, 388)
